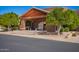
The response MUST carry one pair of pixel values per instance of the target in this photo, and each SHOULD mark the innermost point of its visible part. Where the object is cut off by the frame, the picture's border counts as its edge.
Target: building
(34, 19)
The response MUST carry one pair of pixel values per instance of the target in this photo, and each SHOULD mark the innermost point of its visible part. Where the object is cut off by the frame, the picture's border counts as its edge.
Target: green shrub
(66, 29)
(14, 28)
(74, 34)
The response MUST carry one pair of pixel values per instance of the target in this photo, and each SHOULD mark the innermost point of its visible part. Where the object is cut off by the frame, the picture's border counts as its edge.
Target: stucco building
(34, 19)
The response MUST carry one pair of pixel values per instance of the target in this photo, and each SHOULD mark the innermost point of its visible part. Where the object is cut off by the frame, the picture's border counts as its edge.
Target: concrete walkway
(34, 34)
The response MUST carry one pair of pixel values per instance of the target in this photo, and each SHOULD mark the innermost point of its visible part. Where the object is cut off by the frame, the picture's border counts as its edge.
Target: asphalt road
(22, 44)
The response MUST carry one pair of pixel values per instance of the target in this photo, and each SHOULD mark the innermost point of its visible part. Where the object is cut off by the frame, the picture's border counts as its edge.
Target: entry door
(32, 26)
(28, 25)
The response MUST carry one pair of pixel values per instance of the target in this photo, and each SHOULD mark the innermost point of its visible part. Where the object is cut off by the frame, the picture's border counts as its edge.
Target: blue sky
(22, 9)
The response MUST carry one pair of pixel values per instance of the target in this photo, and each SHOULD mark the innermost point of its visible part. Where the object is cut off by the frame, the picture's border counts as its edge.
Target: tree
(9, 20)
(55, 17)
(63, 18)
(71, 19)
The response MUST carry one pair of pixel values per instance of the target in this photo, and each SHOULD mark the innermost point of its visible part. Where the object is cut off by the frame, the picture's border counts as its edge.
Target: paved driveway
(23, 44)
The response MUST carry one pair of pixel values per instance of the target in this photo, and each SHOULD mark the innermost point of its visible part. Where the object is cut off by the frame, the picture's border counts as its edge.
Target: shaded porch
(33, 23)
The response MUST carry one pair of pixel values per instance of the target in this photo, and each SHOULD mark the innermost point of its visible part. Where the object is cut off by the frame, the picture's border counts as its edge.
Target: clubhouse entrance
(34, 19)
(32, 25)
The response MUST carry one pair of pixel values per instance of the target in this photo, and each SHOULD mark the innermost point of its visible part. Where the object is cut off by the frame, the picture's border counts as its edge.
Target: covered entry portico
(34, 19)
(33, 23)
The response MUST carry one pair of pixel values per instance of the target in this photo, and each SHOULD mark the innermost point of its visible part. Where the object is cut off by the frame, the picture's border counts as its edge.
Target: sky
(22, 9)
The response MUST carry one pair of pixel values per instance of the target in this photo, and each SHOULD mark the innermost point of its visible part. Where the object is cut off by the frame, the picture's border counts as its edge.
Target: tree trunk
(59, 28)
(9, 29)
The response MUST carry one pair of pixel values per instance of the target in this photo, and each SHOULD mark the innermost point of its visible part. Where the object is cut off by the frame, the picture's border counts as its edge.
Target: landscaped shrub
(14, 28)
(65, 29)
(74, 34)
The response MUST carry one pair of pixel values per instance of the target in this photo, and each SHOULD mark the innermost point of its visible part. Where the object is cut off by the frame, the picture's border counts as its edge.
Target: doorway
(30, 25)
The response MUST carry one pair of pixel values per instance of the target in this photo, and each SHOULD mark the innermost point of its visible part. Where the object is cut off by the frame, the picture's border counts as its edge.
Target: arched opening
(30, 25)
